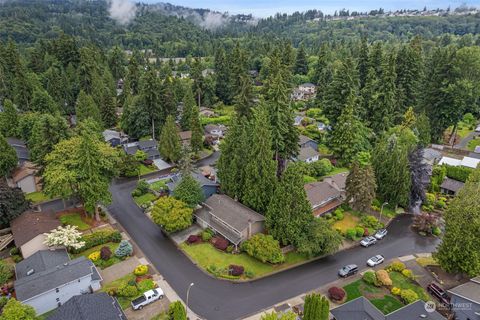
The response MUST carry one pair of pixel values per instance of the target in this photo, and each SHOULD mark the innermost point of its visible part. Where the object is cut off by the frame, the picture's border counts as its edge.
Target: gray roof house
(325, 196)
(147, 146)
(208, 186)
(229, 218)
(465, 300)
(308, 155)
(20, 148)
(115, 138)
(362, 309)
(304, 141)
(95, 306)
(48, 279)
(450, 186)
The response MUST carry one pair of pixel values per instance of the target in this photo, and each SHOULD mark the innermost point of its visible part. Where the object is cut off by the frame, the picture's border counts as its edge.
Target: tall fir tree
(316, 307)
(12, 201)
(9, 121)
(322, 75)
(361, 183)
(223, 88)
(47, 131)
(244, 100)
(86, 108)
(42, 102)
(409, 71)
(301, 63)
(151, 101)
(260, 171)
(9, 158)
(363, 63)
(196, 142)
(188, 111)
(169, 144)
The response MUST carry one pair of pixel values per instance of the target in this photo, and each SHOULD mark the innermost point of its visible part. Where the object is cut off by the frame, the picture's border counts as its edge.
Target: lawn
(161, 316)
(74, 219)
(388, 304)
(125, 302)
(159, 185)
(37, 197)
(473, 143)
(427, 261)
(402, 282)
(101, 263)
(145, 199)
(349, 221)
(206, 255)
(334, 172)
(143, 169)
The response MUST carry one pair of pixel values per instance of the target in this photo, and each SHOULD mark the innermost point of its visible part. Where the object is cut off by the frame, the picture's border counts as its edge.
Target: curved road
(215, 299)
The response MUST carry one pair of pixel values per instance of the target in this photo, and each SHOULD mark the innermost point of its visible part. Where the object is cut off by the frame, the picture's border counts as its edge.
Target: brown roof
(321, 193)
(329, 206)
(30, 224)
(27, 169)
(338, 181)
(185, 135)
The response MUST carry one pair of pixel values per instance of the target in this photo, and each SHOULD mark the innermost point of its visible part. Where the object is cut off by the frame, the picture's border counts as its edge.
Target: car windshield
(374, 259)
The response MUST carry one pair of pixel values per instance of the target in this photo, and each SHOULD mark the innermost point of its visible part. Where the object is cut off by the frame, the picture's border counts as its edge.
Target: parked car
(436, 291)
(348, 270)
(380, 234)
(368, 241)
(147, 298)
(376, 260)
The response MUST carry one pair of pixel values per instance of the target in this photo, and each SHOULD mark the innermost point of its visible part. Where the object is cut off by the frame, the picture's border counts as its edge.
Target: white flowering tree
(67, 236)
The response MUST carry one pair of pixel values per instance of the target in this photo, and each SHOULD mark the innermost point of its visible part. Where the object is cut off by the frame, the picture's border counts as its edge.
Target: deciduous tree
(8, 160)
(172, 214)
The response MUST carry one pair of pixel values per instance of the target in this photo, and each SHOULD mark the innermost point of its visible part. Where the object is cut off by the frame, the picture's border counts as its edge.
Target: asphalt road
(215, 299)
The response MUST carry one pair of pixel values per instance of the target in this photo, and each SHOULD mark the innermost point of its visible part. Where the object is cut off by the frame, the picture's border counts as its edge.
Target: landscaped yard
(145, 199)
(37, 197)
(473, 143)
(349, 221)
(159, 185)
(146, 169)
(129, 279)
(101, 263)
(334, 172)
(206, 255)
(402, 282)
(379, 296)
(74, 219)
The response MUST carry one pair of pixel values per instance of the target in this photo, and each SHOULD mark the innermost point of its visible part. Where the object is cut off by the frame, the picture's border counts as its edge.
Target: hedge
(458, 173)
(97, 238)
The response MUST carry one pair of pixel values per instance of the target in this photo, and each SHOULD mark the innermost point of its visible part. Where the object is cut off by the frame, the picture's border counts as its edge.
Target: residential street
(221, 300)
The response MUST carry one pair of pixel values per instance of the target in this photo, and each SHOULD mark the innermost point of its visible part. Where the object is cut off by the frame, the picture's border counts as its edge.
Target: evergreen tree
(8, 160)
(132, 78)
(363, 63)
(223, 88)
(189, 190)
(188, 109)
(12, 203)
(151, 101)
(198, 82)
(108, 111)
(422, 130)
(167, 98)
(349, 136)
(43, 103)
(196, 143)
(135, 119)
(289, 213)
(244, 99)
(316, 307)
(47, 131)
(169, 144)
(9, 120)
(458, 251)
(361, 184)
(238, 69)
(261, 168)
(409, 75)
(117, 62)
(419, 173)
(301, 63)
(323, 75)
(86, 108)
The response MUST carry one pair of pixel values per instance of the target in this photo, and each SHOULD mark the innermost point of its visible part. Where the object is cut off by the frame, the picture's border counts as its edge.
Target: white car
(368, 241)
(380, 234)
(376, 260)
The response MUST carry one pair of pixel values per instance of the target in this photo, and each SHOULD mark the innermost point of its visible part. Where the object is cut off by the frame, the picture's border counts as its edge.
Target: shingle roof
(414, 311)
(185, 135)
(41, 282)
(338, 181)
(451, 184)
(319, 193)
(20, 148)
(175, 180)
(307, 153)
(41, 261)
(303, 139)
(30, 224)
(145, 144)
(95, 306)
(469, 290)
(232, 212)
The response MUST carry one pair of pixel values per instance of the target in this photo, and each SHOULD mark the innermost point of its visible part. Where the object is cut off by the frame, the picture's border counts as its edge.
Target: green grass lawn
(473, 143)
(159, 185)
(100, 263)
(123, 301)
(376, 295)
(334, 172)
(161, 316)
(74, 219)
(349, 221)
(144, 199)
(146, 169)
(37, 197)
(402, 282)
(206, 255)
(388, 304)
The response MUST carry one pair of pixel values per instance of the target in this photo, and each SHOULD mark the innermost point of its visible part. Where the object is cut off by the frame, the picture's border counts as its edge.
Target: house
(115, 138)
(477, 149)
(208, 186)
(304, 91)
(305, 141)
(465, 300)
(28, 231)
(25, 178)
(214, 130)
(308, 155)
(362, 309)
(209, 172)
(185, 137)
(297, 95)
(147, 146)
(20, 148)
(95, 306)
(297, 121)
(229, 218)
(431, 156)
(465, 162)
(327, 195)
(450, 186)
(207, 72)
(48, 279)
(321, 126)
(206, 112)
(308, 88)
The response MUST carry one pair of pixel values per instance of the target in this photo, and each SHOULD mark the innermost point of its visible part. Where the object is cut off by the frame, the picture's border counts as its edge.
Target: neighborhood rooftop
(41, 261)
(31, 224)
(451, 184)
(469, 290)
(307, 153)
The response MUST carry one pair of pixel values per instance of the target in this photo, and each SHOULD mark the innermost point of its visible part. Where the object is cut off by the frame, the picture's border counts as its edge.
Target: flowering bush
(409, 296)
(140, 270)
(397, 266)
(383, 278)
(336, 293)
(235, 270)
(396, 291)
(94, 256)
(67, 236)
(105, 253)
(193, 239)
(408, 273)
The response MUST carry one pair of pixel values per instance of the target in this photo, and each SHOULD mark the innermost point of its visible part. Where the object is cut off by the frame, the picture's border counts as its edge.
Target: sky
(265, 8)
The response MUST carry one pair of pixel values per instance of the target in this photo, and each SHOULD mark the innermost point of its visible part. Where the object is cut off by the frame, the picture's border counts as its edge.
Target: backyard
(75, 219)
(37, 197)
(144, 199)
(143, 169)
(205, 255)
(115, 288)
(159, 185)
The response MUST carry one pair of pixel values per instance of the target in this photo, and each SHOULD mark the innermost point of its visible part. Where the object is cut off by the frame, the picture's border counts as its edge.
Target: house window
(56, 290)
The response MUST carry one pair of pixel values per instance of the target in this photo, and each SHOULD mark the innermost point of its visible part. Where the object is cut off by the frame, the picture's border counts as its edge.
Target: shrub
(383, 278)
(397, 266)
(143, 186)
(336, 293)
(136, 193)
(371, 222)
(6, 272)
(17, 258)
(220, 243)
(328, 216)
(172, 214)
(112, 291)
(370, 277)
(94, 256)
(359, 231)
(105, 253)
(441, 204)
(339, 216)
(249, 274)
(235, 270)
(458, 173)
(264, 248)
(436, 231)
(145, 285)
(365, 232)
(396, 291)
(193, 239)
(127, 291)
(229, 249)
(97, 238)
(124, 249)
(206, 236)
(429, 199)
(408, 296)
(176, 311)
(140, 270)
(408, 273)
(350, 234)
(14, 251)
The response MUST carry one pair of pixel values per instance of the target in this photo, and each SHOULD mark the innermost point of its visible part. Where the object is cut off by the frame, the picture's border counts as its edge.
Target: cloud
(213, 20)
(123, 11)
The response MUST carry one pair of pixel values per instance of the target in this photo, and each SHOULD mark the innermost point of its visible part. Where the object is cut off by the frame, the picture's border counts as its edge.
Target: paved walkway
(182, 236)
(119, 270)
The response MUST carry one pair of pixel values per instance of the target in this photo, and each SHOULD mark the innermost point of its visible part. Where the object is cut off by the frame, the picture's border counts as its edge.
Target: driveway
(215, 299)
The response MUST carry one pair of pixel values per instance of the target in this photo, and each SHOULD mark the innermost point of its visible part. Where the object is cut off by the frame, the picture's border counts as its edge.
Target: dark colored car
(348, 270)
(436, 291)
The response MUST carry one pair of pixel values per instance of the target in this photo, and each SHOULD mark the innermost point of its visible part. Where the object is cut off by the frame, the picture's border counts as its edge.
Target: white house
(308, 155)
(48, 279)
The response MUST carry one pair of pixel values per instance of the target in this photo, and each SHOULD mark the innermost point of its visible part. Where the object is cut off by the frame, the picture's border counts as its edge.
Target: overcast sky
(264, 8)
